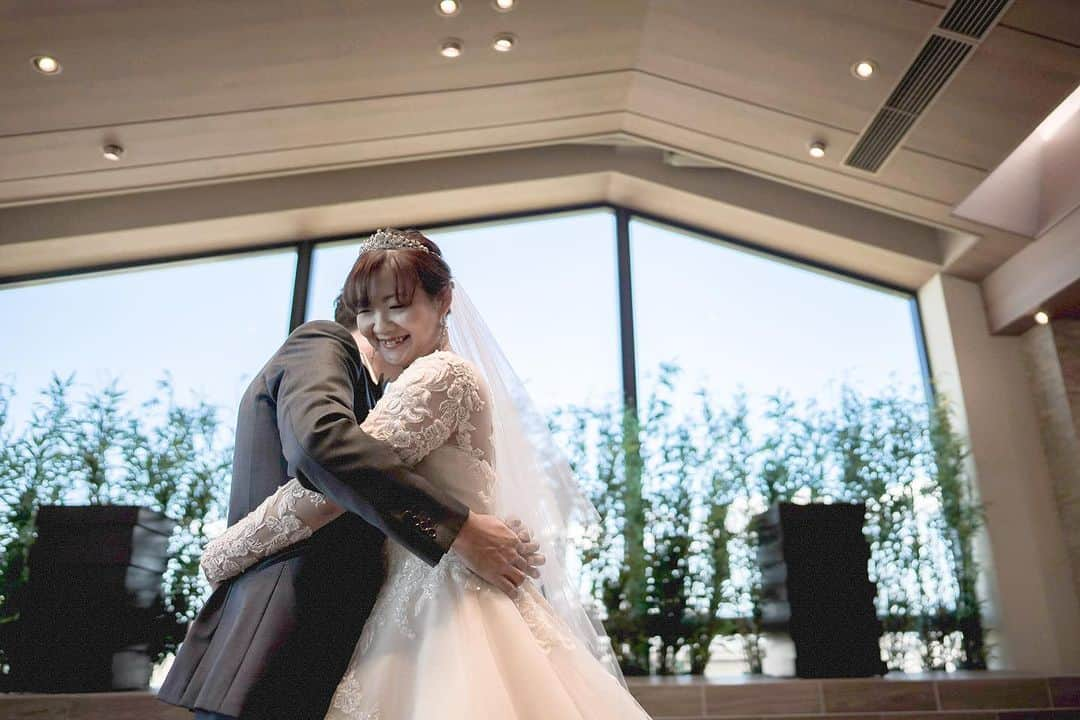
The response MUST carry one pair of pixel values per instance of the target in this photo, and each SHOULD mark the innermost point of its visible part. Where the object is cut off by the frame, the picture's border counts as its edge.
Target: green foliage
(33, 468)
(959, 522)
(659, 562)
(674, 563)
(166, 457)
(176, 467)
(604, 453)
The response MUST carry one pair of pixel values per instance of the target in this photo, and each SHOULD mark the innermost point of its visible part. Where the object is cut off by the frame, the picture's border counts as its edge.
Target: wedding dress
(441, 642)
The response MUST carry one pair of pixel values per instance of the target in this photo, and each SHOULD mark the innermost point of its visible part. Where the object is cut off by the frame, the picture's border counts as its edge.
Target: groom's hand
(494, 551)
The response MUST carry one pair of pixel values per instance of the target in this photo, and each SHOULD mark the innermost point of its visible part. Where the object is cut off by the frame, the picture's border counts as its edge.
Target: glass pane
(735, 319)
(547, 288)
(790, 338)
(210, 325)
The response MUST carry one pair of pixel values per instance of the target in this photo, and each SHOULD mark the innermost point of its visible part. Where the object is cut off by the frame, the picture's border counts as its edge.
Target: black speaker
(816, 588)
(93, 593)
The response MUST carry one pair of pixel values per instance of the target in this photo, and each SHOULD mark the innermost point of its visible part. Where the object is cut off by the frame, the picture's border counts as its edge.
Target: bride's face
(400, 329)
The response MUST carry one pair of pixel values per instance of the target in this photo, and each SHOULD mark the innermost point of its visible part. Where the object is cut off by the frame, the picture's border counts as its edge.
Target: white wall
(1033, 607)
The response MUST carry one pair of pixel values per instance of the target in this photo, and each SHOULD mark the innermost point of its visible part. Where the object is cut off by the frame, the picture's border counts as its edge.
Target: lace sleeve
(288, 516)
(421, 410)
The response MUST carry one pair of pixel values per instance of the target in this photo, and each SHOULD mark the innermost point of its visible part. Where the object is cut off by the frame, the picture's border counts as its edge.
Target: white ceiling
(234, 92)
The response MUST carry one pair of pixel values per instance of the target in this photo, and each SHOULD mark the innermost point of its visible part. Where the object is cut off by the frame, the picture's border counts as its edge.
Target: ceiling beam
(1042, 276)
(184, 221)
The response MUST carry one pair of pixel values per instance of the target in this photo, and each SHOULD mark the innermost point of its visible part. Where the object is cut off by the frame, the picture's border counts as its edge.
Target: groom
(273, 643)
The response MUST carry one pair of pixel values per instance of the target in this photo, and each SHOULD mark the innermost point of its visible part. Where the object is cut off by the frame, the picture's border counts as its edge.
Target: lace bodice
(439, 399)
(436, 416)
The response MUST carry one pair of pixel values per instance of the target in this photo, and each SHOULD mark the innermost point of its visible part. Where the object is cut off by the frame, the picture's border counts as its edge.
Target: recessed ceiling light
(113, 152)
(448, 7)
(46, 65)
(451, 48)
(817, 149)
(863, 69)
(504, 42)
(503, 5)
(1042, 318)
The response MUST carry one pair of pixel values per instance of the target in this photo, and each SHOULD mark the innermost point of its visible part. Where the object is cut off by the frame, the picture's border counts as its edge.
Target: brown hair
(409, 265)
(342, 314)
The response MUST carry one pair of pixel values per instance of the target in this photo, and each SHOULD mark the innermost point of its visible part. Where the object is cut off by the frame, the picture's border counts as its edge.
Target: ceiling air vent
(960, 31)
(883, 135)
(936, 63)
(972, 17)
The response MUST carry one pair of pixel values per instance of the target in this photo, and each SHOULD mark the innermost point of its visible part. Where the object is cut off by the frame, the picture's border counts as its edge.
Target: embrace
(366, 573)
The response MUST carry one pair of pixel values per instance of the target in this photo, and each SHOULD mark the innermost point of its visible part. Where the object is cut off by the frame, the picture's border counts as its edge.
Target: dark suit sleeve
(324, 445)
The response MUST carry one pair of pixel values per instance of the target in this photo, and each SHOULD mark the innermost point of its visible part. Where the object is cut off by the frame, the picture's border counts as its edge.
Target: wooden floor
(956, 696)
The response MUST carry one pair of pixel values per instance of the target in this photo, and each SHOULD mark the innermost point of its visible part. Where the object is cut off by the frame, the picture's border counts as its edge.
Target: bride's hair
(409, 265)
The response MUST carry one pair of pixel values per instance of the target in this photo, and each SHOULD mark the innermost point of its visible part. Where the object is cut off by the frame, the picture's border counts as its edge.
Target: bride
(441, 642)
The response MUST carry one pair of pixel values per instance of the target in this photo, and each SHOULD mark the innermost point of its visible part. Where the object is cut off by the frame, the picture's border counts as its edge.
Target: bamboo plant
(674, 564)
(168, 457)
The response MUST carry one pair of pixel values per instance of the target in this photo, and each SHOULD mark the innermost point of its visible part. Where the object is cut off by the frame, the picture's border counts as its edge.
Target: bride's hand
(530, 549)
(493, 550)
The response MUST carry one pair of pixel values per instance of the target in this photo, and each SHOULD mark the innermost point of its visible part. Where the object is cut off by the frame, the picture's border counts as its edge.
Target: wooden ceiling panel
(1054, 19)
(997, 98)
(131, 62)
(167, 143)
(1051, 19)
(1058, 19)
(788, 55)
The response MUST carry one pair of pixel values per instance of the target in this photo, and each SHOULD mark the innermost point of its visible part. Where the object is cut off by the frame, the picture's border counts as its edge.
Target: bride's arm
(419, 412)
(288, 516)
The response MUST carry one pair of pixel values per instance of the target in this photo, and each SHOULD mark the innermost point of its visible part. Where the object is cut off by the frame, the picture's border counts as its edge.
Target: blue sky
(735, 319)
(546, 286)
(211, 324)
(547, 290)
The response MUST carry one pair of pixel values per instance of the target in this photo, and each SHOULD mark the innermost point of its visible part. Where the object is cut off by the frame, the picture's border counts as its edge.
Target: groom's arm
(324, 445)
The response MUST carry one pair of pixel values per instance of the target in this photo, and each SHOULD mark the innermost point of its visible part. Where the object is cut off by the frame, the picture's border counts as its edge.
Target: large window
(547, 288)
(814, 385)
(210, 325)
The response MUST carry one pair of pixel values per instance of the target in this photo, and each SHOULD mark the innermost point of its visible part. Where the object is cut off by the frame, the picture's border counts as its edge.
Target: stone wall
(1067, 339)
(1053, 359)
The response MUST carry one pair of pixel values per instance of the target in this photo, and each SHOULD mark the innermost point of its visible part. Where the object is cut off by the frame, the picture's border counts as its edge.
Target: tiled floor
(98, 706)
(960, 696)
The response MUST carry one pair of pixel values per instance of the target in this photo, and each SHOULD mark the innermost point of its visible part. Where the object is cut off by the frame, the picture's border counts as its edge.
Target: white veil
(535, 483)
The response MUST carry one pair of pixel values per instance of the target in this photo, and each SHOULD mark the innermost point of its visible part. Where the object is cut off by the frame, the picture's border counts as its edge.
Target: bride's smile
(398, 317)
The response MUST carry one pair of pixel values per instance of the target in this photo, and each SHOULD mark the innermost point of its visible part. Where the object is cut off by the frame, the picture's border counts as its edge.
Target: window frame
(623, 217)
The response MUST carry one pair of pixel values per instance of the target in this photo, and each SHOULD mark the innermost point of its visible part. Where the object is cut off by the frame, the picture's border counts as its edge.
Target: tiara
(391, 239)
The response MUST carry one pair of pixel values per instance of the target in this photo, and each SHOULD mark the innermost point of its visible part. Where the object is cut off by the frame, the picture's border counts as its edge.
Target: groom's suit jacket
(275, 641)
